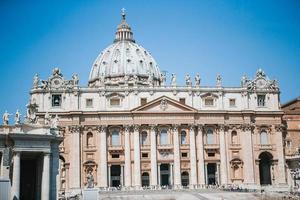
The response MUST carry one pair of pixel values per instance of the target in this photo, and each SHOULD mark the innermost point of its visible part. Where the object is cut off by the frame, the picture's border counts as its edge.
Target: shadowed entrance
(265, 161)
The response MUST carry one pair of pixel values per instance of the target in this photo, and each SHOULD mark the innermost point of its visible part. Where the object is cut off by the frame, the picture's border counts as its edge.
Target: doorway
(265, 161)
(211, 173)
(145, 179)
(29, 179)
(164, 174)
(184, 179)
(115, 175)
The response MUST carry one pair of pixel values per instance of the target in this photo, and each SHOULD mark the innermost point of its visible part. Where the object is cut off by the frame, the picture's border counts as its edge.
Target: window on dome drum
(143, 101)
(143, 138)
(184, 155)
(263, 137)
(89, 103)
(115, 138)
(56, 100)
(182, 100)
(232, 102)
(209, 102)
(115, 102)
(209, 137)
(183, 137)
(261, 100)
(163, 137)
(144, 155)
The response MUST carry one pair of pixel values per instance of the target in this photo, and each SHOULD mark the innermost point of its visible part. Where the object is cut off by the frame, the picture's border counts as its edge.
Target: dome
(124, 62)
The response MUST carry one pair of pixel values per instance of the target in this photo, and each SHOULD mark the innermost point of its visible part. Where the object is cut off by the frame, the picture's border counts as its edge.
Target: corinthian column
(281, 160)
(153, 156)
(200, 153)
(137, 158)
(193, 158)
(246, 142)
(46, 177)
(223, 155)
(127, 158)
(15, 190)
(103, 156)
(75, 158)
(177, 181)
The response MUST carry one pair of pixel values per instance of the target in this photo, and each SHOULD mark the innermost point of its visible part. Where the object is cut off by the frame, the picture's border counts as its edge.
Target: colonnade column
(200, 154)
(46, 177)
(223, 170)
(127, 157)
(193, 158)
(246, 142)
(137, 158)
(171, 174)
(103, 157)
(281, 179)
(158, 174)
(153, 156)
(16, 176)
(177, 181)
(75, 174)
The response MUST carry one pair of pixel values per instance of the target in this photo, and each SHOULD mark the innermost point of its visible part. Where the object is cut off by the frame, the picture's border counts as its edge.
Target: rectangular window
(114, 102)
(115, 139)
(261, 100)
(210, 154)
(143, 101)
(89, 103)
(115, 156)
(144, 155)
(184, 155)
(182, 100)
(209, 102)
(56, 100)
(232, 102)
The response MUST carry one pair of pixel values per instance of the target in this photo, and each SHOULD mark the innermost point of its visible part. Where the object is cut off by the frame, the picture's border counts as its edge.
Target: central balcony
(115, 148)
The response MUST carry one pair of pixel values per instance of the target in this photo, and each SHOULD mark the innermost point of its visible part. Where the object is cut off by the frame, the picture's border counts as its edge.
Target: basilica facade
(132, 126)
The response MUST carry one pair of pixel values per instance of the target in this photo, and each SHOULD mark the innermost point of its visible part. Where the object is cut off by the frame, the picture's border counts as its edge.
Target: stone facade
(292, 140)
(130, 128)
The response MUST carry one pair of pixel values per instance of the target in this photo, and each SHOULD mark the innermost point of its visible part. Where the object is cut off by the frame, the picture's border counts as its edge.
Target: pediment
(164, 104)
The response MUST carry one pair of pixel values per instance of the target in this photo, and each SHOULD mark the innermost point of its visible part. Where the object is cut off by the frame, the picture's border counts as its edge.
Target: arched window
(89, 139)
(163, 137)
(143, 138)
(183, 137)
(263, 137)
(234, 139)
(115, 138)
(209, 137)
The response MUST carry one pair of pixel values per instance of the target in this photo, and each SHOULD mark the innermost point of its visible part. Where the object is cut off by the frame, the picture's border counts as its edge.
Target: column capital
(102, 128)
(75, 128)
(153, 127)
(127, 128)
(174, 127)
(247, 127)
(136, 127)
(192, 127)
(280, 127)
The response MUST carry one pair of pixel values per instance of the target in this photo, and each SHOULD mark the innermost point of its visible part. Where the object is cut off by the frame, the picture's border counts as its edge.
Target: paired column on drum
(103, 157)
(137, 157)
(75, 158)
(193, 158)
(153, 156)
(177, 181)
(127, 166)
(223, 155)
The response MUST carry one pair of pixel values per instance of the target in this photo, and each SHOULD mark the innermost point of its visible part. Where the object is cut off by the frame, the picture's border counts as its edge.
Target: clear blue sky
(209, 37)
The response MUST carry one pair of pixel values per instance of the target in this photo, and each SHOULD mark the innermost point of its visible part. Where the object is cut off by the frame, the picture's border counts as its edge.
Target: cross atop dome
(123, 13)
(123, 30)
